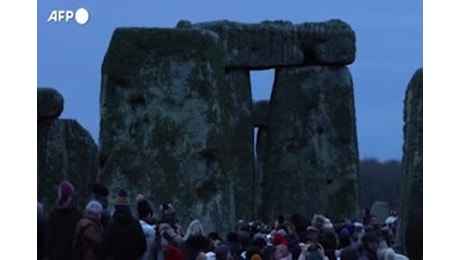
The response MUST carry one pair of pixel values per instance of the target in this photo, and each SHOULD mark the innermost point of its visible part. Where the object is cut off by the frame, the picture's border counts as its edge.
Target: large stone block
(272, 44)
(166, 122)
(410, 226)
(50, 103)
(65, 150)
(311, 164)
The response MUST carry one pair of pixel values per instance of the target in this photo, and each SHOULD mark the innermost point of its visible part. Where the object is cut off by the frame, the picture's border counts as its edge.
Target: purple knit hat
(65, 194)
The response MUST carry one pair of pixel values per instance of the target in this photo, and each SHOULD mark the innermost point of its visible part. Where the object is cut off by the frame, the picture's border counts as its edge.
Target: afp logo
(80, 16)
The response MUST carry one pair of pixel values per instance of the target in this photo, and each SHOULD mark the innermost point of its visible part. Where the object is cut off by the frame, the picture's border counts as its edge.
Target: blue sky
(389, 50)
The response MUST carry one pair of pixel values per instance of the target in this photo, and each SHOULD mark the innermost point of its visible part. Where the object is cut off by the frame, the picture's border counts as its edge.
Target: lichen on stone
(171, 108)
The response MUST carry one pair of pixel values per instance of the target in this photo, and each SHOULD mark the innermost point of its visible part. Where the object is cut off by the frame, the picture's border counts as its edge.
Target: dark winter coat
(123, 237)
(60, 231)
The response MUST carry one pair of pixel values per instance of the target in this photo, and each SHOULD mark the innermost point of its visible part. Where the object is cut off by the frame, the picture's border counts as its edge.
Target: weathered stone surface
(260, 113)
(241, 141)
(166, 123)
(381, 210)
(50, 103)
(328, 43)
(410, 225)
(272, 44)
(312, 161)
(65, 150)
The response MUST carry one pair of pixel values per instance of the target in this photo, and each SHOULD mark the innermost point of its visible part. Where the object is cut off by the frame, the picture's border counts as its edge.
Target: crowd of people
(66, 232)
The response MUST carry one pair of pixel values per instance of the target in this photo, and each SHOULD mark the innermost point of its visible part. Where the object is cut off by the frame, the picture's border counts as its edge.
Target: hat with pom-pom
(122, 201)
(122, 198)
(94, 207)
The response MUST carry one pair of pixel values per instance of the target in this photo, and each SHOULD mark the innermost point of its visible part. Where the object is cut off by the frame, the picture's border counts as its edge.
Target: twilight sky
(389, 50)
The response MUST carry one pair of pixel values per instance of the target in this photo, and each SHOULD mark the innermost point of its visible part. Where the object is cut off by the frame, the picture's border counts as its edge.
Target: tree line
(380, 181)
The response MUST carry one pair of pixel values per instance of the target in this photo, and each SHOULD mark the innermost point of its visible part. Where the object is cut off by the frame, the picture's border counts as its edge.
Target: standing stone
(241, 142)
(50, 103)
(65, 151)
(166, 123)
(312, 161)
(410, 226)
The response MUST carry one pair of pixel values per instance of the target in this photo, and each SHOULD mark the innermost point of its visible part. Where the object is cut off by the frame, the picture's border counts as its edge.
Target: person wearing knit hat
(123, 237)
(100, 193)
(168, 228)
(88, 233)
(62, 221)
(167, 212)
(122, 200)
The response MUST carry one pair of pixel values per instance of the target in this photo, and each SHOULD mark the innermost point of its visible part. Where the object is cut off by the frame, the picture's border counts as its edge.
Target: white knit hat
(94, 207)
